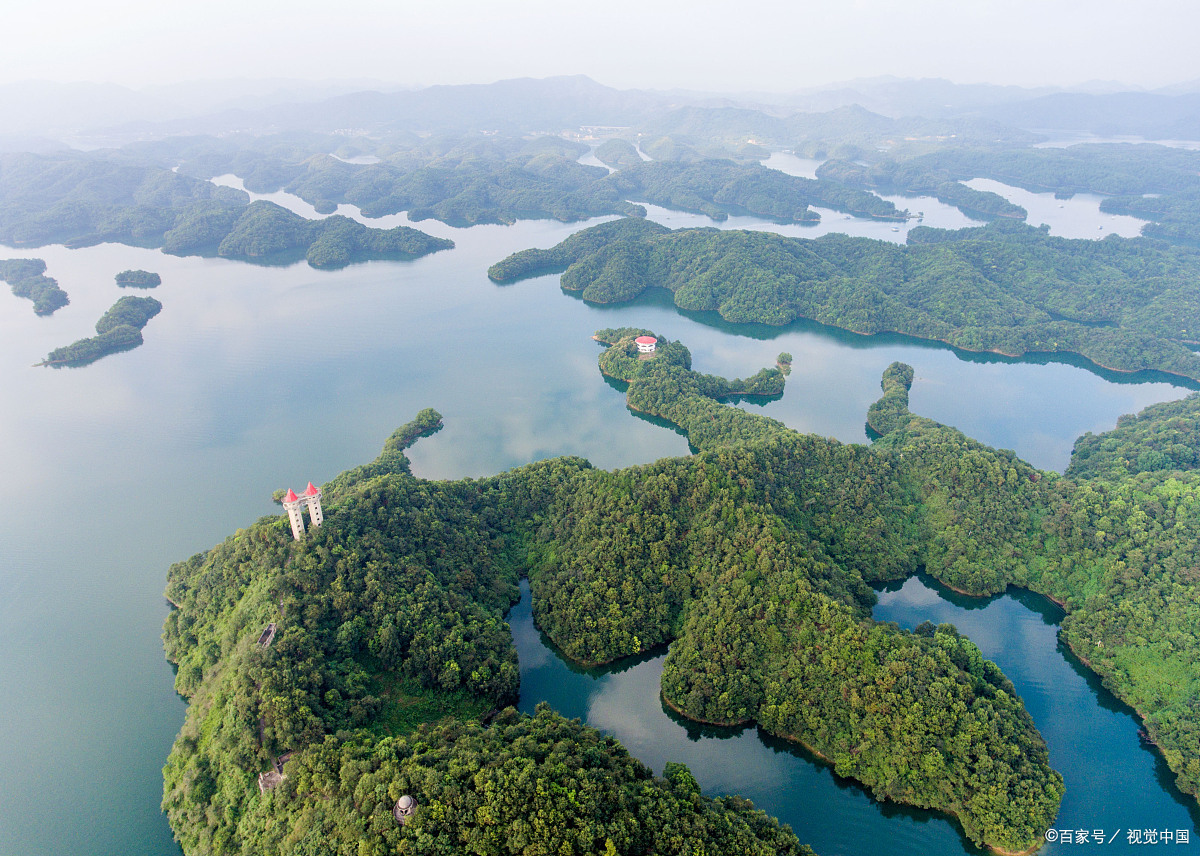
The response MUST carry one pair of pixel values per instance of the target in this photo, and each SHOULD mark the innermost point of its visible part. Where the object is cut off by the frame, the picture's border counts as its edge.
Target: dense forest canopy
(1124, 304)
(399, 596)
(1156, 183)
(27, 278)
(80, 200)
(138, 279)
(1162, 437)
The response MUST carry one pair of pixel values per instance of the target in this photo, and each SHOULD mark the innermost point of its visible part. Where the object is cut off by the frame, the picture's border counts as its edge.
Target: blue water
(256, 378)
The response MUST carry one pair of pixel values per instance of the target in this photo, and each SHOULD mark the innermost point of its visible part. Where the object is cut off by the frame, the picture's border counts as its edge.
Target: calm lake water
(255, 378)
(1113, 782)
(1077, 217)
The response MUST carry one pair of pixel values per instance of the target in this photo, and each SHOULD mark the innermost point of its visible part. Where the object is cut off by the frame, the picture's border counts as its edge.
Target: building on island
(645, 344)
(292, 505)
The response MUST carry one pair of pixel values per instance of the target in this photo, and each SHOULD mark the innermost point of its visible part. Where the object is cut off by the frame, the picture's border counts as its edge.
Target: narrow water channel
(1113, 783)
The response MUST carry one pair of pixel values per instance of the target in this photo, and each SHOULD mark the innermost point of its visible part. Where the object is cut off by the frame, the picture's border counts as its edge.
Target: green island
(119, 329)
(618, 153)
(1124, 304)
(470, 180)
(1155, 183)
(267, 232)
(138, 279)
(459, 180)
(919, 178)
(27, 278)
(131, 196)
(718, 188)
(81, 201)
(753, 556)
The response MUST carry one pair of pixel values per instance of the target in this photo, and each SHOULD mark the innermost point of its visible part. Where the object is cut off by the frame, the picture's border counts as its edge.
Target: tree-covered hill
(27, 278)
(1156, 183)
(1124, 304)
(517, 785)
(719, 188)
(81, 200)
(751, 557)
(395, 604)
(119, 329)
(1162, 437)
(138, 279)
(1116, 549)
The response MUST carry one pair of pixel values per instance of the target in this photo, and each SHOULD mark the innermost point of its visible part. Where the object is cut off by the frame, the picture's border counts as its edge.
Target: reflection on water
(833, 815)
(1077, 217)
(1113, 782)
(793, 164)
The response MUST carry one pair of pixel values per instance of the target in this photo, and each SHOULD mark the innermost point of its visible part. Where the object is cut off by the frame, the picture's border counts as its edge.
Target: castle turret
(291, 504)
(312, 495)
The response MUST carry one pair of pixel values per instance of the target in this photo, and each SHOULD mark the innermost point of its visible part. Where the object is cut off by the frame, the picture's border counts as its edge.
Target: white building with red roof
(312, 495)
(293, 505)
(645, 344)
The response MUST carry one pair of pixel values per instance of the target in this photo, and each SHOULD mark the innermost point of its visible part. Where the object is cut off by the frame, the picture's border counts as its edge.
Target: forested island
(119, 329)
(80, 201)
(718, 188)
(917, 178)
(1124, 304)
(133, 197)
(138, 279)
(27, 278)
(1156, 183)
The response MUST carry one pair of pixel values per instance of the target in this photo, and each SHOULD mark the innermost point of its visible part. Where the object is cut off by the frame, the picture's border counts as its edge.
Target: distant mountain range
(103, 114)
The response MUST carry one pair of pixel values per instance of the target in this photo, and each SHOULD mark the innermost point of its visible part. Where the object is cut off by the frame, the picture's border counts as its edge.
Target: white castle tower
(312, 495)
(291, 504)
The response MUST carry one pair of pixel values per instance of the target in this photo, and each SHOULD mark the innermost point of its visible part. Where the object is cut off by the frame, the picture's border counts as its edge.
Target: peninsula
(1010, 289)
(754, 555)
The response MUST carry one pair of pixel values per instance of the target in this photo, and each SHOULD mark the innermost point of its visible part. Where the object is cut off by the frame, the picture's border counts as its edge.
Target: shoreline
(919, 338)
(1142, 716)
(792, 738)
(738, 723)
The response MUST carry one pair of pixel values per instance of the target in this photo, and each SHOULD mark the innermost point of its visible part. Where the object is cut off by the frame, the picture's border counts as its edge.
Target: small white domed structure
(646, 344)
(404, 809)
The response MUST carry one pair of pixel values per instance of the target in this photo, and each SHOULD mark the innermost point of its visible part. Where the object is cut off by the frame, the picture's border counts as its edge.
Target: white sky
(696, 44)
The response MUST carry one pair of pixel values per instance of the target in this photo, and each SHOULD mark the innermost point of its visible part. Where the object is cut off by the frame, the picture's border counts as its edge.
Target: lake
(1113, 782)
(1077, 217)
(255, 378)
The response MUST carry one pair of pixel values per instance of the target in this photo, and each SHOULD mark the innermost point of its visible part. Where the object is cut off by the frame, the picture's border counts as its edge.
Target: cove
(1113, 782)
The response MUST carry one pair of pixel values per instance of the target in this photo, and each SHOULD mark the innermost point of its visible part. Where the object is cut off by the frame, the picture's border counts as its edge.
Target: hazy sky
(695, 44)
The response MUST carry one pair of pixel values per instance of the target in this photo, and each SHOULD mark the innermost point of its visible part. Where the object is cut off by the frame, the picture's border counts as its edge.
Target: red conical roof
(310, 490)
(645, 340)
(291, 496)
